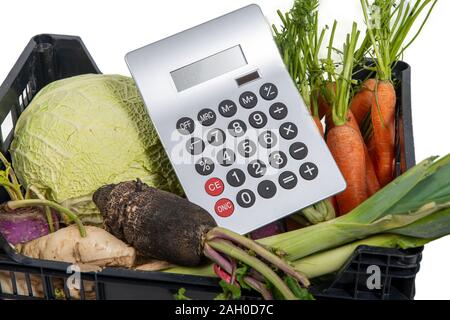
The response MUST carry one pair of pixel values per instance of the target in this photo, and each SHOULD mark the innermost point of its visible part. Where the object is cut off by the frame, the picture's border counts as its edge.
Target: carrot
(347, 148)
(319, 125)
(362, 101)
(371, 177)
(383, 121)
(324, 98)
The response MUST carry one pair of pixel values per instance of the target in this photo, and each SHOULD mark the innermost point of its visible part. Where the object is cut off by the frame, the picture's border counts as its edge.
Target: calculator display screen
(208, 68)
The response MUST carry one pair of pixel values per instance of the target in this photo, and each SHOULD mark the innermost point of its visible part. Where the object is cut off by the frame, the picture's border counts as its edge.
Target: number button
(248, 100)
(185, 125)
(235, 177)
(309, 171)
(214, 187)
(287, 180)
(288, 130)
(278, 159)
(257, 119)
(227, 108)
(206, 117)
(237, 128)
(268, 91)
(224, 208)
(245, 198)
(216, 137)
(226, 157)
(298, 150)
(195, 146)
(267, 139)
(247, 148)
(204, 166)
(257, 168)
(278, 111)
(267, 189)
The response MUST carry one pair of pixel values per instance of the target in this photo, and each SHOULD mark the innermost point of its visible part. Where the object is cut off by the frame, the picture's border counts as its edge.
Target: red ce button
(214, 187)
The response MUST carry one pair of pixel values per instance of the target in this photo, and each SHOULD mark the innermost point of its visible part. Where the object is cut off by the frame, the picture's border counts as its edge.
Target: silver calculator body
(232, 122)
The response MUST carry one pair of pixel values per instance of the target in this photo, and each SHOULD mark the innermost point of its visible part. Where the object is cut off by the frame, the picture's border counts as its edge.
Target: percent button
(204, 166)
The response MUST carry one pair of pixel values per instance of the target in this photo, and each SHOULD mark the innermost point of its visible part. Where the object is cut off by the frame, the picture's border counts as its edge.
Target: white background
(110, 28)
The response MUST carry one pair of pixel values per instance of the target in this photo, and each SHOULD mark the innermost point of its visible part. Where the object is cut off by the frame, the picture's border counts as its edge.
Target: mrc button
(206, 117)
(214, 187)
(224, 208)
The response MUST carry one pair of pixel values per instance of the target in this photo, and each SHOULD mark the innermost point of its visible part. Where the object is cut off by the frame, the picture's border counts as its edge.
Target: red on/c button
(214, 187)
(224, 208)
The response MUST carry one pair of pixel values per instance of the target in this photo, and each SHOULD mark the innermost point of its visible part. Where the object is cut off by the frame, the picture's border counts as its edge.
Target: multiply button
(214, 187)
(309, 171)
(227, 108)
(224, 208)
(206, 117)
(288, 130)
(185, 125)
(248, 100)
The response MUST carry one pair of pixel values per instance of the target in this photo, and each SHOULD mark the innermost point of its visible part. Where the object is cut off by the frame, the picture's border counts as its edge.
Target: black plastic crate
(51, 57)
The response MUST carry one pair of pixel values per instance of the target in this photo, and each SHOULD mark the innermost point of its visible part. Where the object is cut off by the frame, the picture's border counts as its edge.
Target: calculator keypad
(285, 134)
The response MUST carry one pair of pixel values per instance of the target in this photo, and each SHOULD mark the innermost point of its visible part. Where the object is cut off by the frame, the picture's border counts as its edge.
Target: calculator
(232, 122)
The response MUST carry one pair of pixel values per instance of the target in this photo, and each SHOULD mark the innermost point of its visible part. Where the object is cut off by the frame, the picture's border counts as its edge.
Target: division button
(277, 159)
(247, 148)
(278, 111)
(298, 150)
(248, 100)
(224, 208)
(309, 171)
(227, 108)
(288, 130)
(257, 119)
(214, 187)
(195, 146)
(245, 198)
(185, 125)
(216, 137)
(257, 168)
(287, 180)
(237, 128)
(268, 91)
(267, 139)
(235, 177)
(267, 189)
(206, 117)
(226, 157)
(204, 166)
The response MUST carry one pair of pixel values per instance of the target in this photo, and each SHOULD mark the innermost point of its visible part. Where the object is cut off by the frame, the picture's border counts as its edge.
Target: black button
(248, 100)
(277, 159)
(257, 168)
(204, 166)
(287, 180)
(267, 139)
(247, 148)
(245, 198)
(185, 125)
(195, 146)
(237, 128)
(267, 189)
(235, 177)
(257, 119)
(298, 150)
(288, 130)
(207, 117)
(278, 111)
(226, 157)
(216, 137)
(227, 108)
(309, 171)
(268, 91)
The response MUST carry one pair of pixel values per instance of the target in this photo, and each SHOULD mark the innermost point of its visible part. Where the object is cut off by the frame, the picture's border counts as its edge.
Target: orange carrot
(347, 148)
(362, 101)
(371, 177)
(319, 125)
(383, 121)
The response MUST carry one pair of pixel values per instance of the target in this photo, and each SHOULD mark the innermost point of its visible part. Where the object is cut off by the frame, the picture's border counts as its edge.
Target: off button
(224, 208)
(214, 187)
